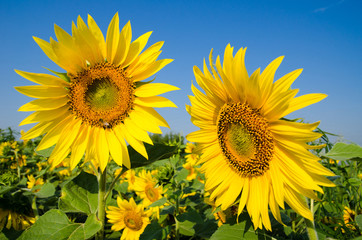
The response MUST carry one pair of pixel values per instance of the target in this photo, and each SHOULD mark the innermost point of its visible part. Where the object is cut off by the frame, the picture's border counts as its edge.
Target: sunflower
(32, 182)
(16, 220)
(348, 217)
(100, 102)
(130, 177)
(250, 153)
(128, 216)
(147, 188)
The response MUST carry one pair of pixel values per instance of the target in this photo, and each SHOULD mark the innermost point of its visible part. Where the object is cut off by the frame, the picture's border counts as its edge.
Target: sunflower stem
(102, 180)
(114, 182)
(312, 233)
(34, 207)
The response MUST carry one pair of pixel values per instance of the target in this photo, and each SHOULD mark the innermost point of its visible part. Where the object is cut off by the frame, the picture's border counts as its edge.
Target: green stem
(114, 182)
(34, 207)
(312, 233)
(101, 213)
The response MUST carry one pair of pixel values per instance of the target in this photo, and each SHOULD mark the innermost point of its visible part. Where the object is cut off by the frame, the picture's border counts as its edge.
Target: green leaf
(159, 202)
(91, 226)
(47, 190)
(55, 224)
(46, 152)
(343, 151)
(155, 152)
(155, 231)
(187, 221)
(80, 194)
(358, 220)
(181, 175)
(355, 182)
(233, 232)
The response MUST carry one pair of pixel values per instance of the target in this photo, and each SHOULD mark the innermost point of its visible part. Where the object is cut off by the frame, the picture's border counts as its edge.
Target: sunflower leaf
(233, 232)
(343, 151)
(47, 190)
(55, 224)
(155, 152)
(359, 221)
(155, 231)
(80, 194)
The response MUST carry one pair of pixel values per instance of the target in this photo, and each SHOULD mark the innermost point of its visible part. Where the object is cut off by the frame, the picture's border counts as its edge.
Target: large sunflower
(250, 154)
(100, 102)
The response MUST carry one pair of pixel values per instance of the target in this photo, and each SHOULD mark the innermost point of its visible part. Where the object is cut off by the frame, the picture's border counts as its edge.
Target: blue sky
(322, 37)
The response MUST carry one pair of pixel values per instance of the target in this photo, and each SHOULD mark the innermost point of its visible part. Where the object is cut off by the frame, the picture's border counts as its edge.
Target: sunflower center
(245, 139)
(101, 95)
(151, 193)
(133, 220)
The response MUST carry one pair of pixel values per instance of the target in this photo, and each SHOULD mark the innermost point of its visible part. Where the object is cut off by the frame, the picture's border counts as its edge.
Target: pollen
(245, 139)
(101, 95)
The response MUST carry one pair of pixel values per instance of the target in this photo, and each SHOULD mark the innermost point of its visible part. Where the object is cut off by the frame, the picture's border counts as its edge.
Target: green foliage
(66, 202)
(80, 194)
(55, 224)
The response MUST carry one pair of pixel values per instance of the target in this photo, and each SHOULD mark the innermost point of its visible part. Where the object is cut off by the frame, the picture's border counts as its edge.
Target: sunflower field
(165, 194)
(95, 164)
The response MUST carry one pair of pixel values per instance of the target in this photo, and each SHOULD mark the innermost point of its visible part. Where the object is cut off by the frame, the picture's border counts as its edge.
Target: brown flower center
(245, 139)
(151, 193)
(133, 220)
(101, 95)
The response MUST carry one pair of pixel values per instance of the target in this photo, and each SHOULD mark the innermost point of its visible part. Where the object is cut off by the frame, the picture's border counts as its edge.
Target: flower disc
(245, 139)
(102, 95)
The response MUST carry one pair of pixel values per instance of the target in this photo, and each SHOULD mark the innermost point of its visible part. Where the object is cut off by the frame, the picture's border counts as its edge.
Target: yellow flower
(32, 182)
(100, 102)
(349, 216)
(191, 168)
(128, 216)
(360, 176)
(146, 187)
(250, 154)
(18, 221)
(130, 177)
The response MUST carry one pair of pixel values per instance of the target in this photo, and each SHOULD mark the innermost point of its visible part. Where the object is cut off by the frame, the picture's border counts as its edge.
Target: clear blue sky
(323, 37)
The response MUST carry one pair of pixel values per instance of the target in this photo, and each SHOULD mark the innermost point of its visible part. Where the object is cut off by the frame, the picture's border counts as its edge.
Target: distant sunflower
(128, 216)
(250, 153)
(100, 102)
(146, 187)
(16, 220)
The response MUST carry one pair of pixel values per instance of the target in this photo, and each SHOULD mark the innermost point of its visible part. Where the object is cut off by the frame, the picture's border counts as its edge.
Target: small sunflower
(128, 216)
(146, 187)
(32, 182)
(100, 102)
(130, 177)
(348, 217)
(16, 220)
(250, 154)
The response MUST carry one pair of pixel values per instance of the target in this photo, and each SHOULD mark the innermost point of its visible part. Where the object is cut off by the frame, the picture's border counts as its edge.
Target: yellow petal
(137, 132)
(38, 130)
(68, 135)
(203, 136)
(42, 91)
(303, 101)
(79, 146)
(155, 101)
(44, 104)
(52, 137)
(112, 38)
(136, 48)
(44, 79)
(152, 69)
(153, 89)
(115, 147)
(138, 118)
(123, 44)
(98, 35)
(102, 149)
(152, 115)
(136, 144)
(45, 115)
